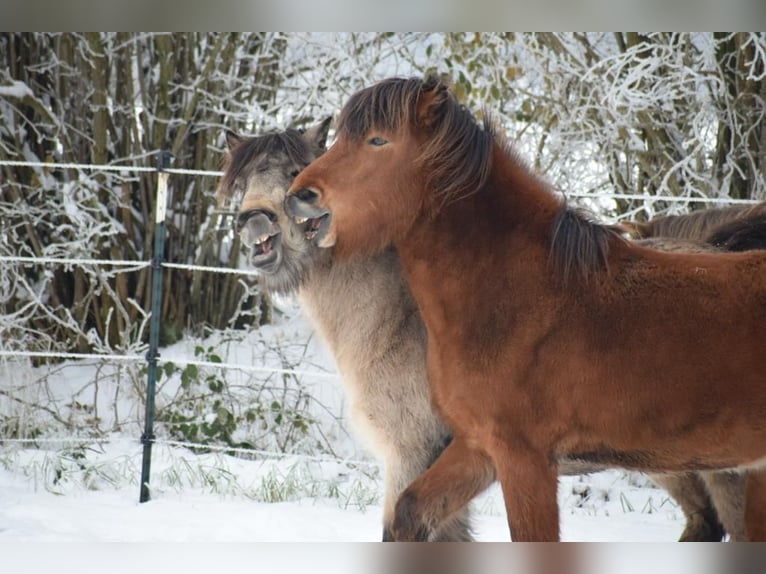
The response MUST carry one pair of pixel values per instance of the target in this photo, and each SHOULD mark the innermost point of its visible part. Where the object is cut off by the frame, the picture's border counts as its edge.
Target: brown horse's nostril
(306, 195)
(304, 204)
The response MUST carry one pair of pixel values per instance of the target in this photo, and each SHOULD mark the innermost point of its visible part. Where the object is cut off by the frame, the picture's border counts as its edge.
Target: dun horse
(362, 309)
(549, 335)
(262, 168)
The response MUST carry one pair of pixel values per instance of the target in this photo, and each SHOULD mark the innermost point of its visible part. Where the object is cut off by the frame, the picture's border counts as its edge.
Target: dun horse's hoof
(700, 528)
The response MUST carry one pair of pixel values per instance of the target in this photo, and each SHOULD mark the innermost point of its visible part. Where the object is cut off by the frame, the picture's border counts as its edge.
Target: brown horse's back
(705, 305)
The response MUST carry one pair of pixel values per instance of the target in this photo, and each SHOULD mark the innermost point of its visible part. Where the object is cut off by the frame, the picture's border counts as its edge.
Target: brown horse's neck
(512, 204)
(510, 218)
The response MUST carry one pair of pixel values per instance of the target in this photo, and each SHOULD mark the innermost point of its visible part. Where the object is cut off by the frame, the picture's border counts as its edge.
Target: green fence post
(154, 327)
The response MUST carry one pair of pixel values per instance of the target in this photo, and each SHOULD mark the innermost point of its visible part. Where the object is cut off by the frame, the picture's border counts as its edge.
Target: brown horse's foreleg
(755, 506)
(457, 476)
(404, 464)
(529, 481)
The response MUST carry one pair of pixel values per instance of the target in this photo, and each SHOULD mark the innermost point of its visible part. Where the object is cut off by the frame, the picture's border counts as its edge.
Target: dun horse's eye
(294, 173)
(377, 141)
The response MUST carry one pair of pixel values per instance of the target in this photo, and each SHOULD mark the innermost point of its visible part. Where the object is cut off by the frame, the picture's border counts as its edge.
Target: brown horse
(549, 335)
(358, 307)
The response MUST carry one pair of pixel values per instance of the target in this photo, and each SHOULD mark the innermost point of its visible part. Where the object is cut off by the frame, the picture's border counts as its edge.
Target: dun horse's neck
(357, 304)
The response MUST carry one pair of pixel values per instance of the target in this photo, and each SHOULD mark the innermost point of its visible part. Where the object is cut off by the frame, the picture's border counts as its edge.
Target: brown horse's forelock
(240, 157)
(457, 156)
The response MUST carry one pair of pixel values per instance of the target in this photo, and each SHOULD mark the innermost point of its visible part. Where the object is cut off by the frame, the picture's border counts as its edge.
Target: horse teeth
(301, 220)
(261, 239)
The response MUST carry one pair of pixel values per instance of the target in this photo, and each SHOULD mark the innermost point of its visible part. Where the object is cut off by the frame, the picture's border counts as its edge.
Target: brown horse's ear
(432, 99)
(317, 135)
(232, 139)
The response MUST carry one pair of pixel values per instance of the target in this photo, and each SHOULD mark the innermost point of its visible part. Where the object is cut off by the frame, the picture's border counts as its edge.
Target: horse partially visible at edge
(698, 224)
(549, 335)
(355, 298)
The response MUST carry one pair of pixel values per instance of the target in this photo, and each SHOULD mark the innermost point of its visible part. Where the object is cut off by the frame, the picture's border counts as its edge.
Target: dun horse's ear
(317, 135)
(432, 99)
(232, 139)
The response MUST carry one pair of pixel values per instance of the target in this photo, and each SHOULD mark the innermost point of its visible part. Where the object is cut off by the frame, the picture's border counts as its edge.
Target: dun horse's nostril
(246, 216)
(306, 195)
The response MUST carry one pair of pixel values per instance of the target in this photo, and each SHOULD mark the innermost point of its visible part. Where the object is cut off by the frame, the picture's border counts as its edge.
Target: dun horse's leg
(688, 489)
(457, 476)
(399, 474)
(529, 481)
(755, 506)
(456, 528)
(727, 490)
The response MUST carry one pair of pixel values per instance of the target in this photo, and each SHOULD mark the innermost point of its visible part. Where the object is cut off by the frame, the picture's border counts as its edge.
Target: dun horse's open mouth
(265, 243)
(259, 231)
(265, 249)
(313, 227)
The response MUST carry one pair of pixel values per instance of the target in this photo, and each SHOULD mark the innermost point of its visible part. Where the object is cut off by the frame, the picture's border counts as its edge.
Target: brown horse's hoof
(408, 526)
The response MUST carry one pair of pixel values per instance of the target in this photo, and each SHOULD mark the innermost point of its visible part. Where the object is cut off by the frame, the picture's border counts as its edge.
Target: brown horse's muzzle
(302, 206)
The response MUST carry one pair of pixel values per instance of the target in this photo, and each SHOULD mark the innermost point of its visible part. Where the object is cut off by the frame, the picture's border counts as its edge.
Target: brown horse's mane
(458, 156)
(242, 154)
(458, 153)
(580, 245)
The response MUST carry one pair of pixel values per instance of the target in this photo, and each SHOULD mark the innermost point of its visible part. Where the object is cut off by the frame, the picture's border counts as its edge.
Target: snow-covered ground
(185, 521)
(89, 494)
(216, 499)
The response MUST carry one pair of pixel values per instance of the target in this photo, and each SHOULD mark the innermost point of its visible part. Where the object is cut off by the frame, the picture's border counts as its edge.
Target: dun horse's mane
(242, 154)
(458, 153)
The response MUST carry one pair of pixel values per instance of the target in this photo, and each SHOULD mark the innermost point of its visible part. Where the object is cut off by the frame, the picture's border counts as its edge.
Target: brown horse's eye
(377, 141)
